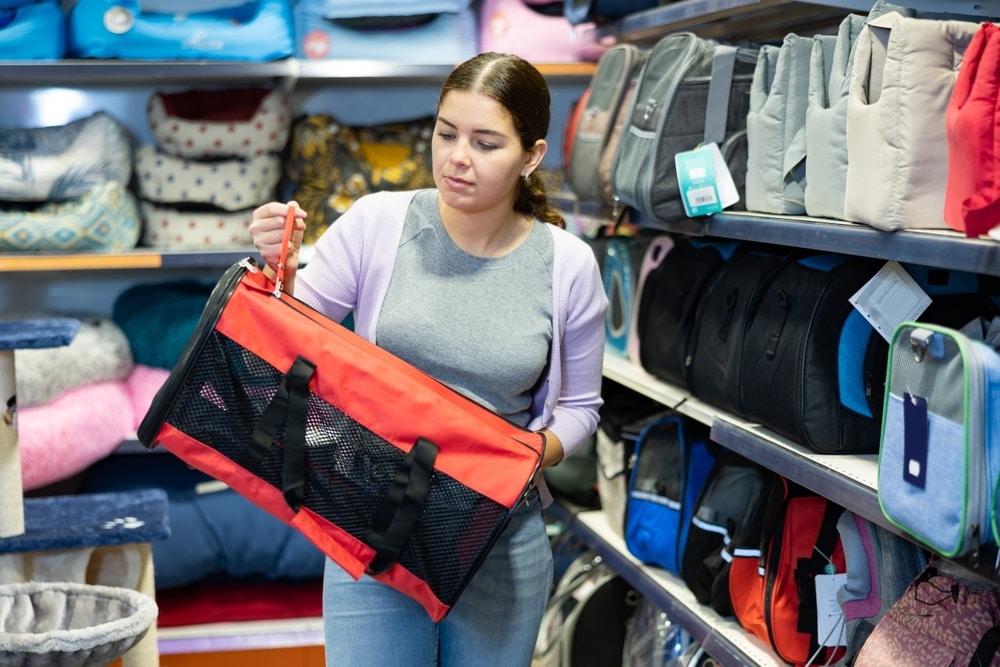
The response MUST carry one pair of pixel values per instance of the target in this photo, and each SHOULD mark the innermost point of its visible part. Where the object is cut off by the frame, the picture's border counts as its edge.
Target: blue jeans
(495, 621)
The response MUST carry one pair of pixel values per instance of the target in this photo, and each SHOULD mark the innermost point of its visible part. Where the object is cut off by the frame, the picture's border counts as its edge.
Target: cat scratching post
(14, 335)
(99, 539)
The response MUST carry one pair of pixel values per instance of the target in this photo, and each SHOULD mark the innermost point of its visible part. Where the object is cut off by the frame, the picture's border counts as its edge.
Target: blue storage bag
(673, 457)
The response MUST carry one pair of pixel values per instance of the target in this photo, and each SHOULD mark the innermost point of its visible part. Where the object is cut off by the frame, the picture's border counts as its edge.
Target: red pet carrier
(387, 470)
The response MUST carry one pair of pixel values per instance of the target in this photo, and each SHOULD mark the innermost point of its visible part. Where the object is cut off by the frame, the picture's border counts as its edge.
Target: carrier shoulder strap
(721, 82)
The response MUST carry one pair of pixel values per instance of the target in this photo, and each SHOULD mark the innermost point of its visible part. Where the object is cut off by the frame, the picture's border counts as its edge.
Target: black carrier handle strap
(288, 407)
(987, 648)
(400, 510)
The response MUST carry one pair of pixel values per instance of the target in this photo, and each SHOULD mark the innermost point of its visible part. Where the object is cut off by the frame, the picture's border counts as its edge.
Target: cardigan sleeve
(353, 259)
(575, 394)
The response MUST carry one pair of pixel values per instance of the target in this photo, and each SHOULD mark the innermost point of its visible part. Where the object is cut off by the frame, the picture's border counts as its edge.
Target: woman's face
(476, 153)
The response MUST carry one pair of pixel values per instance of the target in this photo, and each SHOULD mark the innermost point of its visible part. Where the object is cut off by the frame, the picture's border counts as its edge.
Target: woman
(476, 283)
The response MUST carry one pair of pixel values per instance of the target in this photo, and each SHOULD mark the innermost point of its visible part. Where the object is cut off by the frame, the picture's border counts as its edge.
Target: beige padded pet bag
(904, 71)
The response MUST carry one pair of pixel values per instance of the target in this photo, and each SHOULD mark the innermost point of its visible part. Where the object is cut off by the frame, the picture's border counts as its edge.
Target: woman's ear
(535, 156)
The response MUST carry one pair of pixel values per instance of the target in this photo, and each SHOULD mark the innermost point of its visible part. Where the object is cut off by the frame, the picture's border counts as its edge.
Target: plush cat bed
(143, 383)
(331, 164)
(231, 185)
(159, 318)
(83, 425)
(215, 533)
(236, 600)
(99, 352)
(65, 436)
(224, 123)
(424, 36)
(524, 28)
(63, 161)
(56, 624)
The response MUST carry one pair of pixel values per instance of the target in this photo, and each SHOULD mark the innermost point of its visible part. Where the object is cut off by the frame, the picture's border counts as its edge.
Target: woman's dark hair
(520, 89)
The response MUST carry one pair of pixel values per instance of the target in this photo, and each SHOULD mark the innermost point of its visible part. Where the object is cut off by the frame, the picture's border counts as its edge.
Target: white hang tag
(890, 297)
(830, 627)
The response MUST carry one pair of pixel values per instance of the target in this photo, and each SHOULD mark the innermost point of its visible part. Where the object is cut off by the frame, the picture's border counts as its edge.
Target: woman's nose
(460, 153)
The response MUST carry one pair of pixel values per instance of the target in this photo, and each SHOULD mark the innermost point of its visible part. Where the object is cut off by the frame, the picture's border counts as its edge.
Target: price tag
(705, 183)
(830, 627)
(890, 297)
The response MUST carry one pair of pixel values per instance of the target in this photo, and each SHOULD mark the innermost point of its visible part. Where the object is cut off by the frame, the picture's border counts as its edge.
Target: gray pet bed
(69, 624)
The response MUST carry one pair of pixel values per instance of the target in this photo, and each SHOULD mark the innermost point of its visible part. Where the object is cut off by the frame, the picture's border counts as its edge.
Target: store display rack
(848, 480)
(722, 637)
(764, 20)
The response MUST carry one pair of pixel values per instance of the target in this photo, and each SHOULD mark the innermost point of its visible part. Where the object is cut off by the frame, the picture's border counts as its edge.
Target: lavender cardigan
(353, 262)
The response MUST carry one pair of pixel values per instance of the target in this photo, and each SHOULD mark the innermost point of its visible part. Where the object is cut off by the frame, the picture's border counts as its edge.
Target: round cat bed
(62, 624)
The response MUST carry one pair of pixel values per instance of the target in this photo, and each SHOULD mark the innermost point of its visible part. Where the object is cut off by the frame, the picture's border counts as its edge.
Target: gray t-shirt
(481, 325)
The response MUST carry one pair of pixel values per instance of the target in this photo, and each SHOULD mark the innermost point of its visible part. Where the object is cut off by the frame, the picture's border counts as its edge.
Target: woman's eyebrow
(493, 133)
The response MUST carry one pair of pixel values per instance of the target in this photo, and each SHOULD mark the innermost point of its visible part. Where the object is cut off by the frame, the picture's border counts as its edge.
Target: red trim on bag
(474, 434)
(406, 582)
(270, 499)
(316, 529)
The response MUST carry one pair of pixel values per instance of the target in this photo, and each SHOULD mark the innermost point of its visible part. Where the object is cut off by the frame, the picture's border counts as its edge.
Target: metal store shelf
(89, 72)
(722, 638)
(850, 480)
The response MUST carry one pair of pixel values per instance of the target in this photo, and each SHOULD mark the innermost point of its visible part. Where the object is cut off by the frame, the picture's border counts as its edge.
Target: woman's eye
(447, 136)
(487, 147)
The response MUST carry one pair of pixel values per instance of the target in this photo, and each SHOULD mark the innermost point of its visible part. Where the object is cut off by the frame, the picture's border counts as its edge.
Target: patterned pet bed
(225, 123)
(63, 161)
(169, 228)
(231, 185)
(105, 219)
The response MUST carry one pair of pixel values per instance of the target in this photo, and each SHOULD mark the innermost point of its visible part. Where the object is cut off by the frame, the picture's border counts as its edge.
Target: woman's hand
(267, 229)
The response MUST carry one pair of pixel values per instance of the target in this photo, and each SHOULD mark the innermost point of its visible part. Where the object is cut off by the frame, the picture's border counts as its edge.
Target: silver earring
(526, 176)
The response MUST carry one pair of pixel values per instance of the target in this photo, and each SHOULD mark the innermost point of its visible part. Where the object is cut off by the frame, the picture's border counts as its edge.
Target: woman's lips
(457, 182)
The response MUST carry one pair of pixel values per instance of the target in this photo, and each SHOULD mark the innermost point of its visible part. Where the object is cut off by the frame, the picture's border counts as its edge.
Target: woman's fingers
(267, 230)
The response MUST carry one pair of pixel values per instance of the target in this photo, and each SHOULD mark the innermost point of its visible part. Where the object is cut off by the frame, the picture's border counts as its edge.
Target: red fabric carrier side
(269, 498)
(801, 532)
(349, 553)
(472, 433)
(972, 194)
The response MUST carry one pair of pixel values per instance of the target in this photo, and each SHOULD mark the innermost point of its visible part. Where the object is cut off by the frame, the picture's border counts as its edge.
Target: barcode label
(701, 197)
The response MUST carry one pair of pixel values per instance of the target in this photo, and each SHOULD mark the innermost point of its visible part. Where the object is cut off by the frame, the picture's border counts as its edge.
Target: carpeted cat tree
(76, 573)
